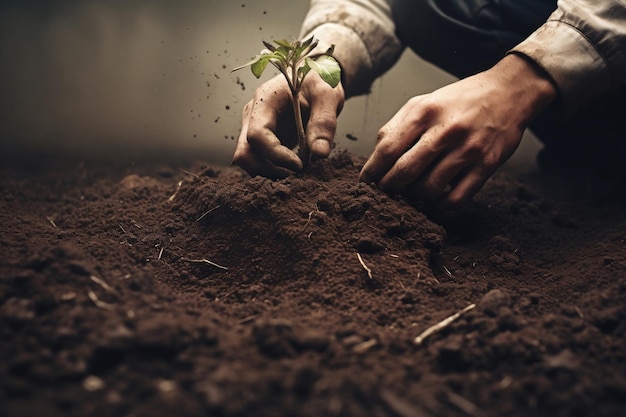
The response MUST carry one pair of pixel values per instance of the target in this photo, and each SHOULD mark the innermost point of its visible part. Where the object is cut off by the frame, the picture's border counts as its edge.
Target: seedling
(293, 60)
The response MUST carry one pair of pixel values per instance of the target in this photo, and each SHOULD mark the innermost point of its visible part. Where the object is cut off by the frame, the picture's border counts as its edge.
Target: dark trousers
(464, 37)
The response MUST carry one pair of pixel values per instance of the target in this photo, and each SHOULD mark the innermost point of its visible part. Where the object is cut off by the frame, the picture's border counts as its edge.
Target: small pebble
(166, 386)
(491, 302)
(93, 383)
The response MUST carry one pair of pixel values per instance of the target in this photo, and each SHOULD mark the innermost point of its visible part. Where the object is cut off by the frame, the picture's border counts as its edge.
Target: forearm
(582, 47)
(363, 33)
(530, 88)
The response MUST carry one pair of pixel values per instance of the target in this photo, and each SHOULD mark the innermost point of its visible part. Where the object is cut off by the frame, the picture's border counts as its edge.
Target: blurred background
(94, 77)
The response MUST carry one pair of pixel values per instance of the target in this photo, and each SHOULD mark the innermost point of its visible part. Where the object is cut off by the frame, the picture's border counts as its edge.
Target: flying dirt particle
(243, 5)
(216, 76)
(264, 11)
(188, 28)
(208, 84)
(351, 137)
(260, 28)
(195, 136)
(227, 107)
(223, 66)
(232, 138)
(217, 120)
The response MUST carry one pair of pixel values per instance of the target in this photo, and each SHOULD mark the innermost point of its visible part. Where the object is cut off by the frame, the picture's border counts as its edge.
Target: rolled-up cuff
(577, 68)
(350, 52)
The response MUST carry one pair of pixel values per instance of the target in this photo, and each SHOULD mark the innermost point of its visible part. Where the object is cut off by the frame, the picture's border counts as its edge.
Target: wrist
(531, 87)
(351, 54)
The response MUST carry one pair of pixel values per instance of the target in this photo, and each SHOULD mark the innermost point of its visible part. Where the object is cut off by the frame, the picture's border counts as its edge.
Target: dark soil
(240, 296)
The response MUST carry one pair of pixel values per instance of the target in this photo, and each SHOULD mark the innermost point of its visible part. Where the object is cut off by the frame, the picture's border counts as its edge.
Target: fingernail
(320, 148)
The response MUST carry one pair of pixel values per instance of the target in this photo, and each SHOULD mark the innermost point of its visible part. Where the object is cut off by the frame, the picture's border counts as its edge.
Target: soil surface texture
(169, 288)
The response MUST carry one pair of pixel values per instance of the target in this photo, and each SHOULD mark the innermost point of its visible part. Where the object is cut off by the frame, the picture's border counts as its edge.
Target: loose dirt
(169, 288)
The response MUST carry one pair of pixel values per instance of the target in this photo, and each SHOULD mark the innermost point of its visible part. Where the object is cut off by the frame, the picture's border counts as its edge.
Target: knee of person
(461, 36)
(415, 23)
(437, 30)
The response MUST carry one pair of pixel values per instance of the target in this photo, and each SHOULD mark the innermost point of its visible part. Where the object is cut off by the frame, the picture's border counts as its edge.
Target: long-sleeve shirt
(581, 46)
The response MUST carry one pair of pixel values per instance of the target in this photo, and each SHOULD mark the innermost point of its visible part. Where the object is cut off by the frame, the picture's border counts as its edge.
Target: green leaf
(307, 42)
(284, 43)
(269, 46)
(303, 71)
(259, 66)
(306, 47)
(247, 64)
(327, 67)
(283, 53)
(259, 63)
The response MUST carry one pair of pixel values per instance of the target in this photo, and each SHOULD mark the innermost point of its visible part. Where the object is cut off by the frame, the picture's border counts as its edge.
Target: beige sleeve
(582, 47)
(363, 33)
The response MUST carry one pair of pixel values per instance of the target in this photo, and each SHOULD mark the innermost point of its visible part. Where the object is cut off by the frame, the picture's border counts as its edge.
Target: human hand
(268, 131)
(445, 145)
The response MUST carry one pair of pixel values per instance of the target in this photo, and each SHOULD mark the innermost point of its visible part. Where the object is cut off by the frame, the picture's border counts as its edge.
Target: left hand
(268, 130)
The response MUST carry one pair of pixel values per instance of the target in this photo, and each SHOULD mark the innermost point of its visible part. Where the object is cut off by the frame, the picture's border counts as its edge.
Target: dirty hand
(268, 131)
(444, 146)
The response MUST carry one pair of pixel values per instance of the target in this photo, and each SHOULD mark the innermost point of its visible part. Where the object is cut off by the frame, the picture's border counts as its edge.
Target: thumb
(320, 130)
(322, 123)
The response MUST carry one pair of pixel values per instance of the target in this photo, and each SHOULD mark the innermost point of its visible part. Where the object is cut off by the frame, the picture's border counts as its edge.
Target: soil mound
(306, 229)
(154, 289)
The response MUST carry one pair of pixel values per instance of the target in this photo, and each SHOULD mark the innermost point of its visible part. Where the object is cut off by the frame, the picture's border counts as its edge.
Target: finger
(243, 156)
(444, 172)
(325, 105)
(248, 159)
(320, 131)
(254, 165)
(434, 182)
(413, 163)
(394, 139)
(260, 135)
(266, 144)
(463, 191)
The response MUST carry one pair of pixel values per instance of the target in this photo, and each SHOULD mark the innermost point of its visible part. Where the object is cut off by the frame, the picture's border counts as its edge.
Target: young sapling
(294, 61)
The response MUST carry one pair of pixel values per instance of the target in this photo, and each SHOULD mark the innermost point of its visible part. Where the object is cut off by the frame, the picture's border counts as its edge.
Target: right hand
(445, 145)
(268, 131)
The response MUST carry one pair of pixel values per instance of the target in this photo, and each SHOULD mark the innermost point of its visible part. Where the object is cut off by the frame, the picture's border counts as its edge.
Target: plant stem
(303, 148)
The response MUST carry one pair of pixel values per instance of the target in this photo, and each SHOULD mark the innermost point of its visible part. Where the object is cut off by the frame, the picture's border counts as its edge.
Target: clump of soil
(182, 289)
(307, 230)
